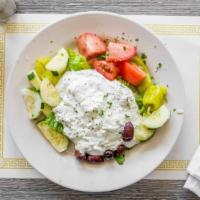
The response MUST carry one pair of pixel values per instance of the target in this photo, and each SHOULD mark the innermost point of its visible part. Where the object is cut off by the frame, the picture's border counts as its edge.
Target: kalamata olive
(95, 158)
(80, 156)
(128, 132)
(108, 154)
(120, 150)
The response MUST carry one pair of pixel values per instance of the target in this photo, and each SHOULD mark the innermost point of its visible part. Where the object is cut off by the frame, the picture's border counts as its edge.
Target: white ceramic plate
(65, 169)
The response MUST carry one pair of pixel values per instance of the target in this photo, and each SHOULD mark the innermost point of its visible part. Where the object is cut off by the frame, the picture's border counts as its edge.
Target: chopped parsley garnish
(159, 66)
(127, 116)
(31, 76)
(109, 104)
(33, 89)
(101, 113)
(120, 159)
(75, 110)
(105, 95)
(152, 77)
(118, 122)
(124, 48)
(103, 56)
(116, 39)
(143, 56)
(179, 113)
(42, 105)
(55, 73)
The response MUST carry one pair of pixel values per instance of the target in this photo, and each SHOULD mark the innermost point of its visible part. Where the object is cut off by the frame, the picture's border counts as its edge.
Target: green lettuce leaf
(54, 124)
(76, 61)
(120, 159)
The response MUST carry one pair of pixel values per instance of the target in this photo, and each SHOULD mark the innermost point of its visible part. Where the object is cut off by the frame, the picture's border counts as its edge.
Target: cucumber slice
(33, 102)
(157, 119)
(57, 140)
(142, 134)
(46, 109)
(58, 63)
(48, 93)
(34, 79)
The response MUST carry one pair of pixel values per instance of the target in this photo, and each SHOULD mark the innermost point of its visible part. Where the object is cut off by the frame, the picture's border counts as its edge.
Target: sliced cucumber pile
(34, 79)
(157, 119)
(58, 63)
(43, 96)
(57, 140)
(48, 93)
(33, 102)
(142, 134)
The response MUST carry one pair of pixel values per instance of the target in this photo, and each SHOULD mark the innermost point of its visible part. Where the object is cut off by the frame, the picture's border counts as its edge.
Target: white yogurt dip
(94, 110)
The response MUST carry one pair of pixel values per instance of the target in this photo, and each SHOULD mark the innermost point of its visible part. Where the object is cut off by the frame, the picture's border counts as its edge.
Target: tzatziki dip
(93, 110)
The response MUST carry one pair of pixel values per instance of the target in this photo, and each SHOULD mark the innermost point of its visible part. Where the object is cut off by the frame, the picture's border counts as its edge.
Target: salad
(101, 98)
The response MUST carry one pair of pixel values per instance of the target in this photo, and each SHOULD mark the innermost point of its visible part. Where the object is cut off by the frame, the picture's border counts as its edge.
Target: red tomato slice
(118, 52)
(107, 69)
(90, 45)
(132, 73)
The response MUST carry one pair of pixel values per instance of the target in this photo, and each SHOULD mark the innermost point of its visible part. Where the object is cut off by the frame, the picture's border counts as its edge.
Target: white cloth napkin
(193, 181)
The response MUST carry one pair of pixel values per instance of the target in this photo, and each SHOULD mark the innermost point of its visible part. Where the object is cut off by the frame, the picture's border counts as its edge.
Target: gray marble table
(19, 189)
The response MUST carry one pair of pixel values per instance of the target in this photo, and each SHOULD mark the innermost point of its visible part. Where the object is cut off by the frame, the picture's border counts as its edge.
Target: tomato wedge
(108, 69)
(90, 45)
(118, 52)
(132, 73)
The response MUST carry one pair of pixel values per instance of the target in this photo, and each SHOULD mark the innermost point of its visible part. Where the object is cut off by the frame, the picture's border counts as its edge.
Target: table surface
(145, 189)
